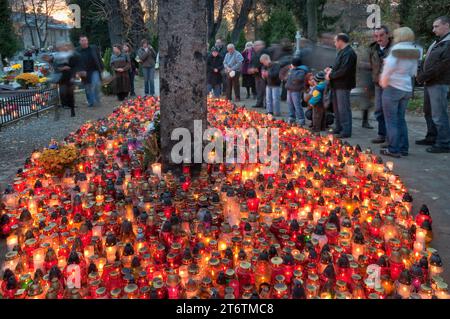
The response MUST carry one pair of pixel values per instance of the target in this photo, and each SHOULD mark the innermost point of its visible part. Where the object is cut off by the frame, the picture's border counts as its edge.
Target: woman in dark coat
(120, 64)
(248, 79)
(214, 72)
(134, 69)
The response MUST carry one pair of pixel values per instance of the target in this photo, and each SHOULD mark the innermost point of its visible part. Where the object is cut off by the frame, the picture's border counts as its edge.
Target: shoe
(367, 126)
(379, 140)
(291, 121)
(438, 150)
(425, 142)
(405, 154)
(387, 153)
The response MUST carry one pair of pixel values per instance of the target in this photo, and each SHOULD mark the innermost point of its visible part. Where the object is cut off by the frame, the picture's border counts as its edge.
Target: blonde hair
(404, 34)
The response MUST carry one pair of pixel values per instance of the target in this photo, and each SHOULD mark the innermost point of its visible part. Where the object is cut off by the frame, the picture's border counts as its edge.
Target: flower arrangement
(10, 73)
(27, 80)
(16, 67)
(56, 161)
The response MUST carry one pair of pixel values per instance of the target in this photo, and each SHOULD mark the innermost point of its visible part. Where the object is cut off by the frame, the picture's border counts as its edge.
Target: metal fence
(18, 105)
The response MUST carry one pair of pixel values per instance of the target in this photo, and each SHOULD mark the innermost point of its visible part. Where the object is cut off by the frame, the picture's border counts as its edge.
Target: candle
(418, 247)
(12, 242)
(421, 235)
(156, 168)
(390, 166)
(38, 259)
(111, 253)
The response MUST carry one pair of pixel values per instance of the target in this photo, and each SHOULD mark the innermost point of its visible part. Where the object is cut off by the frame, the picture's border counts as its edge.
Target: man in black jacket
(436, 76)
(342, 79)
(378, 51)
(214, 67)
(91, 65)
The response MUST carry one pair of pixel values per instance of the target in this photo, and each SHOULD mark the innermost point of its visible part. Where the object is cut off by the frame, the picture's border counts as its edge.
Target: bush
(280, 25)
(240, 45)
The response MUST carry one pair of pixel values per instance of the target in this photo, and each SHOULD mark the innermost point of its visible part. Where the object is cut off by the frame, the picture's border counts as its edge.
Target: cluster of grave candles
(332, 222)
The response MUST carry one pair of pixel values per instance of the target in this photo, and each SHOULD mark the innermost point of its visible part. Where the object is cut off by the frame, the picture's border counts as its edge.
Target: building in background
(57, 31)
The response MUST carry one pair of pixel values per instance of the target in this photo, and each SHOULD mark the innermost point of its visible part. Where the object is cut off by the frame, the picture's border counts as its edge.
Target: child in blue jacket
(315, 102)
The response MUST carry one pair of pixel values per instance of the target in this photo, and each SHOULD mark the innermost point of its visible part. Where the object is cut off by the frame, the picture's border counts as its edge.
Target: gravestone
(28, 66)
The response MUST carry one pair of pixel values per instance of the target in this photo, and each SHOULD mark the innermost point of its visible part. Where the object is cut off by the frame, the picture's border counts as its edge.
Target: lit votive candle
(390, 166)
(38, 259)
(418, 247)
(156, 168)
(12, 242)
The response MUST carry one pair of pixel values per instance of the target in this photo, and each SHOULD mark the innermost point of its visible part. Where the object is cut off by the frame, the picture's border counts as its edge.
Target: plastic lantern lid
(277, 261)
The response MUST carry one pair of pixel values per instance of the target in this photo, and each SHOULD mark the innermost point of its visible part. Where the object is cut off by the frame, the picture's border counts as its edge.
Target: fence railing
(17, 105)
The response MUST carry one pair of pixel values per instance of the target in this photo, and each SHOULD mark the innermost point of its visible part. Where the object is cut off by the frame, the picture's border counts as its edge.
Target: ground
(427, 176)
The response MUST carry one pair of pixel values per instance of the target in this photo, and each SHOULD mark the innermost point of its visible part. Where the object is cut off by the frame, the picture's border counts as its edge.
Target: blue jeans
(439, 110)
(217, 90)
(92, 89)
(379, 115)
(294, 100)
(273, 95)
(342, 112)
(149, 80)
(395, 103)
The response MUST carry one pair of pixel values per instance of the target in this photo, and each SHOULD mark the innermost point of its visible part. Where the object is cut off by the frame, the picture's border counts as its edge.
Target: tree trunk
(115, 21)
(242, 20)
(311, 8)
(183, 49)
(137, 30)
(213, 24)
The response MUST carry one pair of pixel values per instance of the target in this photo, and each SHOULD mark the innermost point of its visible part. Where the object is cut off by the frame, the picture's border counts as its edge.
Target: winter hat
(320, 76)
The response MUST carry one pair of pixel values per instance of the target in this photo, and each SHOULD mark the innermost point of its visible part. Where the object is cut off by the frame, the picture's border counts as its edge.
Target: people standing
(232, 66)
(295, 86)
(147, 57)
(271, 74)
(248, 78)
(256, 67)
(214, 66)
(91, 65)
(342, 77)
(397, 83)
(120, 64)
(134, 67)
(436, 76)
(378, 51)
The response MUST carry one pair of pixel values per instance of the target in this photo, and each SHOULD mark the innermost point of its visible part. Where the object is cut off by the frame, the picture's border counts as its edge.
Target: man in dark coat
(342, 79)
(436, 76)
(91, 64)
(255, 68)
(378, 51)
(214, 66)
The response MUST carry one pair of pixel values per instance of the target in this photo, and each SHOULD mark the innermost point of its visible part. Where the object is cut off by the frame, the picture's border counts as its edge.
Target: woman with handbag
(120, 64)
